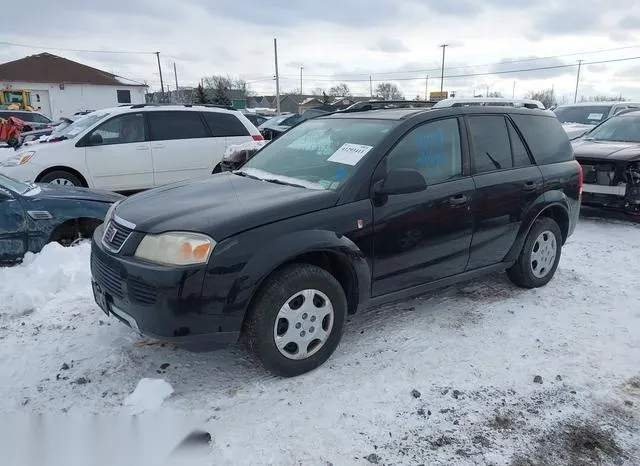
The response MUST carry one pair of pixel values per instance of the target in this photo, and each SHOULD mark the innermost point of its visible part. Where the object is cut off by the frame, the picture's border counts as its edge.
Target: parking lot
(483, 373)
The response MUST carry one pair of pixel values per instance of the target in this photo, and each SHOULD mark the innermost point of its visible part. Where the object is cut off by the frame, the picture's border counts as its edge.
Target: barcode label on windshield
(349, 154)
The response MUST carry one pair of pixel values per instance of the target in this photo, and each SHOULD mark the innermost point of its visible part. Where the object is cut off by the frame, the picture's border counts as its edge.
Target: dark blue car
(32, 215)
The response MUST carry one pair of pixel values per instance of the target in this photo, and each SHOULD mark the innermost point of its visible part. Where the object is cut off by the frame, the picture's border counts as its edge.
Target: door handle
(530, 186)
(142, 148)
(157, 146)
(459, 199)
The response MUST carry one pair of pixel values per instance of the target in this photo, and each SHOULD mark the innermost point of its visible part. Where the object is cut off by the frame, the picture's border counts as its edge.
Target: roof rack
(226, 107)
(387, 104)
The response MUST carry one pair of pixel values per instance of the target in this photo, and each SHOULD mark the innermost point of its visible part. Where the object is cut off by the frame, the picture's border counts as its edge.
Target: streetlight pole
(301, 68)
(575, 96)
(444, 47)
(275, 54)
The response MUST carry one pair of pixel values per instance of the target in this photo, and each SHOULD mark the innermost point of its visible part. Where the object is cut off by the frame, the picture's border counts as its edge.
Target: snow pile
(250, 145)
(56, 272)
(148, 395)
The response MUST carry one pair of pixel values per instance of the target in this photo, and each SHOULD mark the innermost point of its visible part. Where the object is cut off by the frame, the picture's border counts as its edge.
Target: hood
(605, 150)
(220, 205)
(40, 148)
(52, 191)
(575, 130)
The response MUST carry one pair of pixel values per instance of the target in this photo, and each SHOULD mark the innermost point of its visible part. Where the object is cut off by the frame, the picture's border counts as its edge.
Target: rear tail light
(257, 137)
(580, 178)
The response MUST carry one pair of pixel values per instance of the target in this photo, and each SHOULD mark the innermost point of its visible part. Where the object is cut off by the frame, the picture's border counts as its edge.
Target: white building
(60, 87)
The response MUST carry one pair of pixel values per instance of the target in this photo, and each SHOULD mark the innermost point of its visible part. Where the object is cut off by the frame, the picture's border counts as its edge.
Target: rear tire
(296, 319)
(61, 178)
(540, 255)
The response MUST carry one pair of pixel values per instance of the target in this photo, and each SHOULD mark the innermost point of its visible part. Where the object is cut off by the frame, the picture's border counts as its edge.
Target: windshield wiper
(245, 174)
(286, 183)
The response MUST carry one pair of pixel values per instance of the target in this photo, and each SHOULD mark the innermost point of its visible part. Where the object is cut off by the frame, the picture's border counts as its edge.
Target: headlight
(18, 159)
(110, 212)
(176, 248)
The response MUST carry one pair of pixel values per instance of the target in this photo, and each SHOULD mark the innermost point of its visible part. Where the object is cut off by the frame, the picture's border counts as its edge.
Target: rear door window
(545, 137)
(176, 125)
(225, 124)
(491, 143)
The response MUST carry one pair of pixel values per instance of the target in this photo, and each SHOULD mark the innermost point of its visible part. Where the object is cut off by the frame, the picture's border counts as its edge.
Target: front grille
(107, 277)
(142, 292)
(115, 235)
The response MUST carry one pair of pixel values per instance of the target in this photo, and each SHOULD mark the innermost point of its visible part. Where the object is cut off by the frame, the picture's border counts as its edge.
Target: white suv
(134, 147)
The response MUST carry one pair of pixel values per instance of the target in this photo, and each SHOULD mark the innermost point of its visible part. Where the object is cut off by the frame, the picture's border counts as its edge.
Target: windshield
(80, 125)
(318, 154)
(584, 115)
(620, 128)
(14, 185)
(275, 121)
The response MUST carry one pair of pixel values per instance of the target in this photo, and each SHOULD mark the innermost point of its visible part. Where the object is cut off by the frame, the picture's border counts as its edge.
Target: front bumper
(160, 302)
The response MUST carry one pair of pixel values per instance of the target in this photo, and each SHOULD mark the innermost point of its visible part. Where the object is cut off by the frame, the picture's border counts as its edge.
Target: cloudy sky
(348, 41)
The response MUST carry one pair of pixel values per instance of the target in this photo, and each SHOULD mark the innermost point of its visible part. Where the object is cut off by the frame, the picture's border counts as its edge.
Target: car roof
(407, 113)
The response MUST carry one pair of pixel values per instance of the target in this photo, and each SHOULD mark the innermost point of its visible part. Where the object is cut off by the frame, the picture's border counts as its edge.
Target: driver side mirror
(95, 139)
(401, 181)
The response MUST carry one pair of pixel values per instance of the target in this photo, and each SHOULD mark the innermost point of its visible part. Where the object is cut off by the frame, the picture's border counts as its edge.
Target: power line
(505, 62)
(468, 75)
(12, 44)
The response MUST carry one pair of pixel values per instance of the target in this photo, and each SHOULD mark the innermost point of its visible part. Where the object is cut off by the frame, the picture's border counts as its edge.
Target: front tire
(61, 178)
(540, 255)
(296, 320)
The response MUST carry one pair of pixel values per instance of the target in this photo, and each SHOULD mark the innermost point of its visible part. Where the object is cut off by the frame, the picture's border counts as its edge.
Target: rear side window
(491, 143)
(518, 150)
(225, 124)
(176, 125)
(545, 137)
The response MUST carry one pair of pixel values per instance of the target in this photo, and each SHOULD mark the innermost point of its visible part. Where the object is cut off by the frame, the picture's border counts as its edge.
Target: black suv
(342, 212)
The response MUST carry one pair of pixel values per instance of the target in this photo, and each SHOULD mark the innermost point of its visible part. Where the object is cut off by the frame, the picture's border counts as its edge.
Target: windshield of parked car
(583, 114)
(278, 120)
(318, 154)
(14, 185)
(80, 125)
(624, 128)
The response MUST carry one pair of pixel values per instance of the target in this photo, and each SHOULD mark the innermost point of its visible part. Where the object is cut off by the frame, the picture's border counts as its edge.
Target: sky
(348, 41)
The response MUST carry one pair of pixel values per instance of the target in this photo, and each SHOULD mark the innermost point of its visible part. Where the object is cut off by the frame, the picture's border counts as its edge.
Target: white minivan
(134, 147)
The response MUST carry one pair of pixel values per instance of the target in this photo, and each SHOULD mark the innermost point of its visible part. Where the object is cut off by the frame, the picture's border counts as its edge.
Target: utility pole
(370, 87)
(175, 74)
(513, 95)
(575, 96)
(444, 47)
(160, 71)
(275, 53)
(301, 68)
(426, 88)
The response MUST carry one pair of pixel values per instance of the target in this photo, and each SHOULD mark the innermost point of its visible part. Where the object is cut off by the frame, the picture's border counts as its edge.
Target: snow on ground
(483, 373)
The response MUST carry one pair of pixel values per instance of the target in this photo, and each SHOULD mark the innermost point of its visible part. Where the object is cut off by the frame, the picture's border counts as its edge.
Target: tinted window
(225, 124)
(124, 97)
(545, 137)
(122, 129)
(583, 114)
(432, 148)
(176, 125)
(32, 117)
(491, 143)
(518, 150)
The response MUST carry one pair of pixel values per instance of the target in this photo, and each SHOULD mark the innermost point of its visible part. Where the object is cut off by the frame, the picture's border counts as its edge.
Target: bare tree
(340, 90)
(603, 98)
(217, 88)
(546, 96)
(388, 91)
(495, 94)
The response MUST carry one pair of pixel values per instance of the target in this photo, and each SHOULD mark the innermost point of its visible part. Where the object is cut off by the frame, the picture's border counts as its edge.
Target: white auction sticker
(349, 154)
(594, 116)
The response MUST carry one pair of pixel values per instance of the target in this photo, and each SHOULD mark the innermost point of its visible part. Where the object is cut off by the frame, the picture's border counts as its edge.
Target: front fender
(271, 254)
